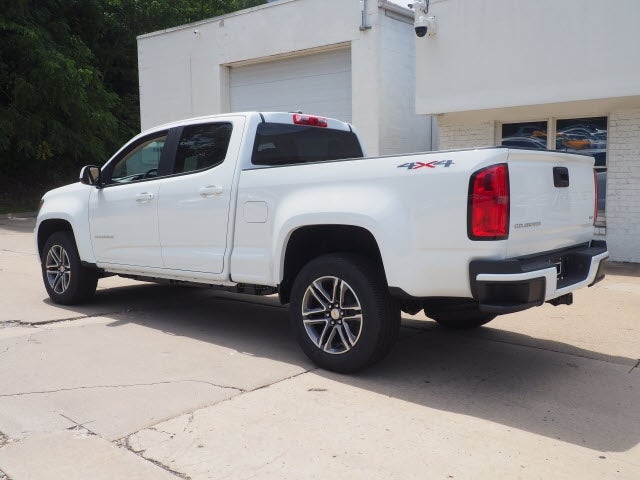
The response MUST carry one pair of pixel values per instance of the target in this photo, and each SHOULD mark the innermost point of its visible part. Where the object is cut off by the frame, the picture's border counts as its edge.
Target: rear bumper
(507, 286)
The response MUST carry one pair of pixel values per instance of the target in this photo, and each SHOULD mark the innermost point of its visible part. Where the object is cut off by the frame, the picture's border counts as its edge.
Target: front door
(123, 214)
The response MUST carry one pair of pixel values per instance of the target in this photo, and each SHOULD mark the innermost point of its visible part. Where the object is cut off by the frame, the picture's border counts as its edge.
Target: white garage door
(319, 84)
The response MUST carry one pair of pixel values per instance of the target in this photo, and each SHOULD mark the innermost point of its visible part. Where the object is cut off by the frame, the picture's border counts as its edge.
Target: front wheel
(67, 281)
(342, 313)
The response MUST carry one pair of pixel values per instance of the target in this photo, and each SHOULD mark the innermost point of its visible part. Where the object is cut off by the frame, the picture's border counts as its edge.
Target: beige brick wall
(623, 186)
(455, 135)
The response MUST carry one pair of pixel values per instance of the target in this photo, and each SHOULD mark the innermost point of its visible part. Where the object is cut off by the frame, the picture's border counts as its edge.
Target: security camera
(422, 23)
(420, 26)
(425, 26)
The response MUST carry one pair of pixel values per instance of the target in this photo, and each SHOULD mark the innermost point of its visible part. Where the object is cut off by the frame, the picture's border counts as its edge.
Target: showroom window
(575, 135)
(525, 135)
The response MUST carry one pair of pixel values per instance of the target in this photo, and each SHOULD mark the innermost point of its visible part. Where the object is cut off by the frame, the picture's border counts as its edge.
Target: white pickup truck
(287, 203)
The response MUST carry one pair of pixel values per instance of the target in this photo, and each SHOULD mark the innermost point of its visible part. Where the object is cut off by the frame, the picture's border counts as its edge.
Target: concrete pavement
(159, 382)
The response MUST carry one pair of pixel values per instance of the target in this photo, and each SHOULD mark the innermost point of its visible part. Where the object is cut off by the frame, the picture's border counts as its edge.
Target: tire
(460, 317)
(67, 281)
(342, 313)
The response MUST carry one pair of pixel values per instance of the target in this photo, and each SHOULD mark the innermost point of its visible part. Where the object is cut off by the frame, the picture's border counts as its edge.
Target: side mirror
(89, 175)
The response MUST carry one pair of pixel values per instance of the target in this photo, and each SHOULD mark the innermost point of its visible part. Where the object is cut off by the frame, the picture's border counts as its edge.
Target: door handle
(144, 197)
(211, 191)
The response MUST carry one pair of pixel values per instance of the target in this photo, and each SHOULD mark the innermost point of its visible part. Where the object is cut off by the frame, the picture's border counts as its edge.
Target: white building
(545, 73)
(323, 57)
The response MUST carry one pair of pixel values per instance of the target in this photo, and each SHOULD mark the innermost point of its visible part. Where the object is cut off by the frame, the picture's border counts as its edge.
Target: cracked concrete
(155, 382)
(74, 455)
(91, 387)
(140, 453)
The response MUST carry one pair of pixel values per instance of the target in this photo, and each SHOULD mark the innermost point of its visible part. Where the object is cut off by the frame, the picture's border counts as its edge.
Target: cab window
(141, 162)
(202, 146)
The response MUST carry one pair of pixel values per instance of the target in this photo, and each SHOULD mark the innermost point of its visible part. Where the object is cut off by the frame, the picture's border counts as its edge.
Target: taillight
(310, 120)
(595, 200)
(488, 208)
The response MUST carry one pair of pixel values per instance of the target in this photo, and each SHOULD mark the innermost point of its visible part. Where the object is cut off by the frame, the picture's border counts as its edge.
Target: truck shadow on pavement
(545, 387)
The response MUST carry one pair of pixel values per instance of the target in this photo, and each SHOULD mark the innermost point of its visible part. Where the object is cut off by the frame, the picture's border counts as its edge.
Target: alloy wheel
(58, 269)
(332, 315)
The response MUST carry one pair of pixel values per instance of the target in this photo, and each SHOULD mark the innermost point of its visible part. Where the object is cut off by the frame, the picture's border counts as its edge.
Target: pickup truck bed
(288, 203)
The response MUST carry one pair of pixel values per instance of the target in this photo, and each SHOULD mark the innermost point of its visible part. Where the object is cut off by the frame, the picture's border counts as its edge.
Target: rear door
(194, 201)
(552, 199)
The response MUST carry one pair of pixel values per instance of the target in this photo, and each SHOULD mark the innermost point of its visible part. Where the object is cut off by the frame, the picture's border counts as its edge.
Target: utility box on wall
(319, 56)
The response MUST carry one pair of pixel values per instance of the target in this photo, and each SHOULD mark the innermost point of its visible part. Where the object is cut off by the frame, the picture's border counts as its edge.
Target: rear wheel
(67, 281)
(342, 313)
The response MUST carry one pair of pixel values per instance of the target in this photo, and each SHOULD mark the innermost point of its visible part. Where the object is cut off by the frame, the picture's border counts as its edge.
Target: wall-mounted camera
(423, 24)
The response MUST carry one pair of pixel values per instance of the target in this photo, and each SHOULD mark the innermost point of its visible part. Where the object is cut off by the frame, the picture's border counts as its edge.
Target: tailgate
(552, 197)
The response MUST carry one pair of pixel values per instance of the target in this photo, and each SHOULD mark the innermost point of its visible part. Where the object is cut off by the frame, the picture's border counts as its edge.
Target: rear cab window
(285, 144)
(202, 146)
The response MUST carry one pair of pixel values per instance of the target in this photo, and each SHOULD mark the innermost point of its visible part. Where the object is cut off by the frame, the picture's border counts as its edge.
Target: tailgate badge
(527, 225)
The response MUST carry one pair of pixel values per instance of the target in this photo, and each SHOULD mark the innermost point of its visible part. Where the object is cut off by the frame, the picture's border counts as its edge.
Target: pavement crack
(15, 323)
(634, 367)
(290, 377)
(126, 441)
(4, 476)
(168, 434)
(140, 453)
(128, 385)
(78, 426)
(20, 323)
(4, 439)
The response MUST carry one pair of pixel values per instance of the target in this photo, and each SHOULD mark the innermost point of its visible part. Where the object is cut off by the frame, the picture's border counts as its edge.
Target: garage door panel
(319, 83)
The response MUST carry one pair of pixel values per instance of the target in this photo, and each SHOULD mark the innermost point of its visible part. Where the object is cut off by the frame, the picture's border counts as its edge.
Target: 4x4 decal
(434, 164)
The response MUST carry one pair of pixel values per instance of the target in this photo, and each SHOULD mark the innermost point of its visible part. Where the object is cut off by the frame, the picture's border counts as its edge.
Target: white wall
(185, 74)
(401, 129)
(502, 53)
(179, 59)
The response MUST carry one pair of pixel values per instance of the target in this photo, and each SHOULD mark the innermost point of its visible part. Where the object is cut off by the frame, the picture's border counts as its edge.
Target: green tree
(69, 81)
(54, 109)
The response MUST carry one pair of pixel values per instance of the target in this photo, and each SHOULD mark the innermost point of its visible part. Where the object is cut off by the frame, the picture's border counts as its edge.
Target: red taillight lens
(595, 201)
(488, 211)
(310, 120)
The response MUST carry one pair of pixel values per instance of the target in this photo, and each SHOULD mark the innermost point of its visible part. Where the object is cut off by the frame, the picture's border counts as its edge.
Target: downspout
(363, 25)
